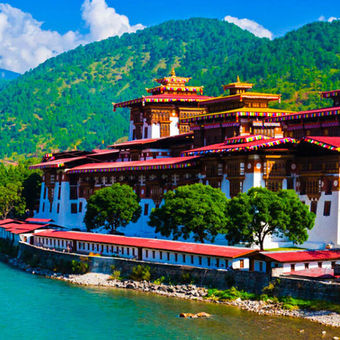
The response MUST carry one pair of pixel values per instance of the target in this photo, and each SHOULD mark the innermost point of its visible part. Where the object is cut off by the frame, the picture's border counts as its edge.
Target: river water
(33, 307)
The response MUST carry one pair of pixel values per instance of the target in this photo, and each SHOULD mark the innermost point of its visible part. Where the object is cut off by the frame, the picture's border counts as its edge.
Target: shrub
(80, 267)
(140, 273)
(160, 280)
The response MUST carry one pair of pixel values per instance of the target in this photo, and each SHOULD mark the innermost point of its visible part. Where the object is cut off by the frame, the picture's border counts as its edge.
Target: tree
(191, 209)
(11, 202)
(259, 213)
(112, 207)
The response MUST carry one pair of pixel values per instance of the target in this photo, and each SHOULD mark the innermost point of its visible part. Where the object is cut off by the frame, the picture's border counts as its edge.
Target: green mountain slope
(67, 101)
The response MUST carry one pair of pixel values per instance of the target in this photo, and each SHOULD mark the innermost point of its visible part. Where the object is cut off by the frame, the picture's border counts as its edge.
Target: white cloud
(104, 22)
(251, 26)
(24, 44)
(330, 19)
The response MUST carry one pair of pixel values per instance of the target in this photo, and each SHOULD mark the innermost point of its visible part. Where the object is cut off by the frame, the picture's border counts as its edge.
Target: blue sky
(32, 31)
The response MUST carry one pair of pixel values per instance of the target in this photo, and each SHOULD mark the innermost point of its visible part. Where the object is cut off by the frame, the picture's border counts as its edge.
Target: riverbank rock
(195, 316)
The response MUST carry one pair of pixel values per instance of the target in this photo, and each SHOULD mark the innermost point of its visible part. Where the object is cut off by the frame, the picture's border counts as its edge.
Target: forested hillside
(67, 101)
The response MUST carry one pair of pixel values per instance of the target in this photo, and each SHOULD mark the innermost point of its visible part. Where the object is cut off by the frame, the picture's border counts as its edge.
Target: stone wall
(221, 279)
(308, 289)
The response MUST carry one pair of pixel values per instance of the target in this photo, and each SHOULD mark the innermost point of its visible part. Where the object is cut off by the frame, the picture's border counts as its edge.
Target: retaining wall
(221, 279)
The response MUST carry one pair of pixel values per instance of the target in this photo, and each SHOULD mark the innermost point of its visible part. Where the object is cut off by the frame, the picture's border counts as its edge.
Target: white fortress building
(232, 142)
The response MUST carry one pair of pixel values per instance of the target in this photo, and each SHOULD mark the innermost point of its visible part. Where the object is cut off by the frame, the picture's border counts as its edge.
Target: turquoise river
(38, 308)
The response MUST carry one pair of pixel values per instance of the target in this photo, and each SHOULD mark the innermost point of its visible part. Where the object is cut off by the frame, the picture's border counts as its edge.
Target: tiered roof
(151, 164)
(242, 143)
(172, 89)
(241, 112)
(330, 111)
(329, 143)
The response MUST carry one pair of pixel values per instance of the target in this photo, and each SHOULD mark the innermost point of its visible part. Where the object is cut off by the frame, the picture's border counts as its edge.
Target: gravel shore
(189, 291)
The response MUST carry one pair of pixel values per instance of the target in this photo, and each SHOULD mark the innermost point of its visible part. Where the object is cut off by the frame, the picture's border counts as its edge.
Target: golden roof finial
(238, 79)
(173, 72)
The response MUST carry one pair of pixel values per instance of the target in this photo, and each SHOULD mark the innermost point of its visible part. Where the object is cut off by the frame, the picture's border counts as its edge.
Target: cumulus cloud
(24, 44)
(104, 21)
(330, 19)
(251, 26)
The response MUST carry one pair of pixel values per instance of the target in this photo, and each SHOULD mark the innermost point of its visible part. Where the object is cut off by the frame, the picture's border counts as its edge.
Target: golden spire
(238, 79)
(173, 72)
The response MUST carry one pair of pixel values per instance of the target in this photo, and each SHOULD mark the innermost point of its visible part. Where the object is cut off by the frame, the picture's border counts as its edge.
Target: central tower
(159, 113)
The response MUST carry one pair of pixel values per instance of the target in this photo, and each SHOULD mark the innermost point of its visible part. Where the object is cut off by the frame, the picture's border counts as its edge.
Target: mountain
(8, 75)
(66, 102)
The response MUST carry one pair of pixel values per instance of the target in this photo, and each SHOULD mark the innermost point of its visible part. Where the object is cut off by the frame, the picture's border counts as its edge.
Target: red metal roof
(21, 228)
(250, 146)
(157, 163)
(38, 220)
(331, 143)
(8, 220)
(184, 247)
(328, 111)
(163, 98)
(304, 255)
(56, 163)
(317, 273)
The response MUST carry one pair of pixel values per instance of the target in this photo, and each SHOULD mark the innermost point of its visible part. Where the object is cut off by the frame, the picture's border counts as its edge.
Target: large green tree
(259, 213)
(112, 207)
(12, 204)
(196, 209)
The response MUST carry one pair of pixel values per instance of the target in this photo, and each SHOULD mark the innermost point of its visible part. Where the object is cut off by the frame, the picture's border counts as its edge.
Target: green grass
(286, 302)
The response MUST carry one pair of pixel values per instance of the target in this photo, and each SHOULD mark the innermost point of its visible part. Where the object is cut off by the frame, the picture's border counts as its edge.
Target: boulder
(203, 315)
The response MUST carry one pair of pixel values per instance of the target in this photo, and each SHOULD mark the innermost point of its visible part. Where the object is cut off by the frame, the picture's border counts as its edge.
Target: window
(43, 207)
(80, 207)
(59, 192)
(168, 256)
(200, 260)
(146, 253)
(122, 250)
(133, 251)
(153, 254)
(292, 267)
(146, 209)
(74, 208)
(327, 208)
(320, 264)
(333, 264)
(241, 263)
(128, 251)
(50, 207)
(313, 207)
(192, 259)
(217, 262)
(306, 265)
(58, 208)
(176, 257)
(261, 266)
(208, 259)
(161, 255)
(183, 256)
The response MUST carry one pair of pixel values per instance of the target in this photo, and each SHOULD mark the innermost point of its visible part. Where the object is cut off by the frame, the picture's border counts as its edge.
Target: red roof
(329, 111)
(8, 220)
(157, 163)
(305, 255)
(136, 141)
(184, 247)
(163, 98)
(319, 273)
(38, 220)
(331, 143)
(56, 163)
(21, 228)
(250, 146)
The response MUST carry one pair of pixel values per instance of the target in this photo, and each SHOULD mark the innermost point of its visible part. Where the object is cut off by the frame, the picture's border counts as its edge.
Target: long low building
(151, 250)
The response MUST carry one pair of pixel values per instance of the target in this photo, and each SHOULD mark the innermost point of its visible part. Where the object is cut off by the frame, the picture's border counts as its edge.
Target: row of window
(292, 266)
(132, 252)
(326, 207)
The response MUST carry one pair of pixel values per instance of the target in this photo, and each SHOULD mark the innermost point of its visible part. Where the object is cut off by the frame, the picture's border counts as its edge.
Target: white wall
(174, 126)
